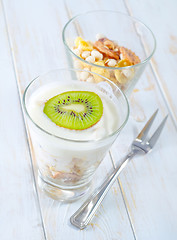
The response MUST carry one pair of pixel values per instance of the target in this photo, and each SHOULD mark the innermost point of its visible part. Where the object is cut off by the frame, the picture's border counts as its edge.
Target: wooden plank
(148, 184)
(160, 16)
(74, 7)
(37, 47)
(110, 222)
(19, 212)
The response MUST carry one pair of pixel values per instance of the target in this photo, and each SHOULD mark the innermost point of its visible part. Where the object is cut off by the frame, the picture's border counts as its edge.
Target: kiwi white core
(74, 107)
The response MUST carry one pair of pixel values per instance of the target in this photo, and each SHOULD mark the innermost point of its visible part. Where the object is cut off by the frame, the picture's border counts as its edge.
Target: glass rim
(105, 67)
(67, 139)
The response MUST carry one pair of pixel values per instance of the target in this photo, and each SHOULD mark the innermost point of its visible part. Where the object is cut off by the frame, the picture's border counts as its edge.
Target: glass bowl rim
(67, 139)
(105, 67)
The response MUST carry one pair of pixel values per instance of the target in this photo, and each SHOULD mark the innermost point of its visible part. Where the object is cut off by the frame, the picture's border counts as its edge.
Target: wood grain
(111, 221)
(19, 212)
(37, 48)
(148, 184)
(160, 16)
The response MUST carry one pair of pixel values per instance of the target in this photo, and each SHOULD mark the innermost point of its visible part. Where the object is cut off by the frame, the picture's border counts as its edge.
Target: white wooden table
(142, 204)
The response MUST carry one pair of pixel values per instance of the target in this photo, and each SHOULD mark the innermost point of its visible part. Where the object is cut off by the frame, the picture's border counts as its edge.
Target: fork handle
(86, 212)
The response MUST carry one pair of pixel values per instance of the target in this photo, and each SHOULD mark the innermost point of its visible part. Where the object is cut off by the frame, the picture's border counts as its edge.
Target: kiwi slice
(77, 110)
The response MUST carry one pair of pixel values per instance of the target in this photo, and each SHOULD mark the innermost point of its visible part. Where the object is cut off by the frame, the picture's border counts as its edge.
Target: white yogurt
(106, 126)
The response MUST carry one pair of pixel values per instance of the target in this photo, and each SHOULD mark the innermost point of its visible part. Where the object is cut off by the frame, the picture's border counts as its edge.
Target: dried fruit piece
(129, 55)
(108, 43)
(110, 53)
(85, 46)
(100, 63)
(124, 63)
(101, 71)
(107, 53)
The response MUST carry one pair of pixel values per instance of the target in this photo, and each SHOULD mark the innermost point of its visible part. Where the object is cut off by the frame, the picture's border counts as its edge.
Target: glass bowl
(127, 31)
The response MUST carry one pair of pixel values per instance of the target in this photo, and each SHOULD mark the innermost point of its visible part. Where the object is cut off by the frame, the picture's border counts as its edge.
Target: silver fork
(140, 145)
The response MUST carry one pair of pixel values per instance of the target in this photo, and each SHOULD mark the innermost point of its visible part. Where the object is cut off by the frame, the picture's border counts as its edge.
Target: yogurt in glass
(67, 159)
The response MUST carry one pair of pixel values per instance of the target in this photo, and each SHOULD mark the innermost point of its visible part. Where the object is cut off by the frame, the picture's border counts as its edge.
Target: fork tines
(153, 139)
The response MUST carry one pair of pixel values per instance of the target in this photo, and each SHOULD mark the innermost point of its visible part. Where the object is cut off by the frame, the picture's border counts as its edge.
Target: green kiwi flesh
(76, 110)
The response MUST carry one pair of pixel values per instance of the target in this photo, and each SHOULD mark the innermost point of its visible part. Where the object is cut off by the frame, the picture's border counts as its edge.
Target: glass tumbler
(66, 165)
(127, 31)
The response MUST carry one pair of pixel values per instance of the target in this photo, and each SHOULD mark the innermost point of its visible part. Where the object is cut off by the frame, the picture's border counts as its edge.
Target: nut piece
(77, 64)
(120, 77)
(84, 75)
(99, 36)
(97, 55)
(111, 62)
(128, 73)
(77, 51)
(129, 55)
(90, 79)
(90, 59)
(106, 46)
(85, 54)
